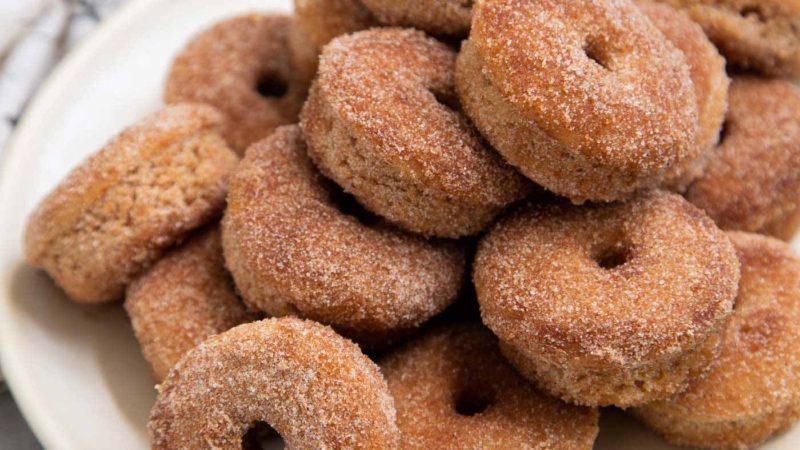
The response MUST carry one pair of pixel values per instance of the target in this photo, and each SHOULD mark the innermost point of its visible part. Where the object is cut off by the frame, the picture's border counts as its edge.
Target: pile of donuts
(434, 224)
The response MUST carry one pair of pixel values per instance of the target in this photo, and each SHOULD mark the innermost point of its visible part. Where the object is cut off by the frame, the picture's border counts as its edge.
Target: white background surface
(77, 371)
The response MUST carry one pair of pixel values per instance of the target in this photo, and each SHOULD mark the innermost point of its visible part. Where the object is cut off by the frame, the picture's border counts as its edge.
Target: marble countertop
(34, 36)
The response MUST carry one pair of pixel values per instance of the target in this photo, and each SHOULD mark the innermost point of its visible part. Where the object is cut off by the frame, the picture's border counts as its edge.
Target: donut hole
(258, 436)
(612, 257)
(348, 205)
(596, 52)
(471, 402)
(271, 86)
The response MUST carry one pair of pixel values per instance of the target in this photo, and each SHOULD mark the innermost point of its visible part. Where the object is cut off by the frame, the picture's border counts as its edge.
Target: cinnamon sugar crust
(437, 17)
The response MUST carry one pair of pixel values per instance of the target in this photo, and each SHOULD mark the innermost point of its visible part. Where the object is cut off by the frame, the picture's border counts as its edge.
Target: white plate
(75, 371)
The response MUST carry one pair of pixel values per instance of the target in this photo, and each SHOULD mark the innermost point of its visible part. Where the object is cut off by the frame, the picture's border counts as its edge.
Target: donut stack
(432, 224)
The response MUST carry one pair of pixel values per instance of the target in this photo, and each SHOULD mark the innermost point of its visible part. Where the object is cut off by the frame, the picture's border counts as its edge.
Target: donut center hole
(597, 53)
(260, 436)
(271, 86)
(472, 402)
(347, 204)
(612, 258)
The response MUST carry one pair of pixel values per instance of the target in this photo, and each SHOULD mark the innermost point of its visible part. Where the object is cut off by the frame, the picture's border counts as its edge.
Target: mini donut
(588, 99)
(317, 22)
(181, 301)
(753, 390)
(242, 67)
(453, 390)
(619, 304)
(315, 388)
(437, 17)
(375, 124)
(292, 252)
(116, 213)
(763, 35)
(752, 182)
(707, 69)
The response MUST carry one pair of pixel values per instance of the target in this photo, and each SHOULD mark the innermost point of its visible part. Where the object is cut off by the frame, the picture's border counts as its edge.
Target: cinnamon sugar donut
(437, 17)
(315, 388)
(753, 390)
(707, 69)
(242, 67)
(752, 182)
(618, 304)
(586, 98)
(120, 209)
(453, 390)
(754, 34)
(183, 300)
(291, 251)
(375, 125)
(317, 22)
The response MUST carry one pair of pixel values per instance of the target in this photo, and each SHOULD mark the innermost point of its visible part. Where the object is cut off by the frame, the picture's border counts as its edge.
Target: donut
(315, 388)
(752, 182)
(242, 67)
(453, 390)
(616, 304)
(116, 213)
(293, 252)
(761, 35)
(437, 17)
(587, 99)
(707, 70)
(181, 301)
(317, 22)
(753, 390)
(380, 121)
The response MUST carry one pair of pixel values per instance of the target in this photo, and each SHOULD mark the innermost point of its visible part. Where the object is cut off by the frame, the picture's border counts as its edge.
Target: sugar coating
(752, 182)
(587, 98)
(622, 335)
(223, 66)
(763, 35)
(707, 69)
(317, 22)
(116, 213)
(291, 251)
(374, 125)
(437, 17)
(185, 298)
(753, 390)
(315, 388)
(428, 376)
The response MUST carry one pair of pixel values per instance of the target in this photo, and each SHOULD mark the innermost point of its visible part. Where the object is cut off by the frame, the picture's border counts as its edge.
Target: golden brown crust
(184, 299)
(754, 34)
(374, 125)
(435, 378)
(752, 182)
(291, 251)
(120, 209)
(317, 22)
(224, 65)
(437, 17)
(707, 69)
(753, 390)
(315, 388)
(586, 98)
(618, 304)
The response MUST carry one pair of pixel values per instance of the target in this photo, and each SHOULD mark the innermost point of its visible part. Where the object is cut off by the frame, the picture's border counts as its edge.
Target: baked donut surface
(116, 213)
(242, 67)
(453, 390)
(181, 301)
(752, 182)
(293, 252)
(618, 304)
(437, 17)
(315, 388)
(375, 123)
(753, 390)
(762, 35)
(586, 98)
